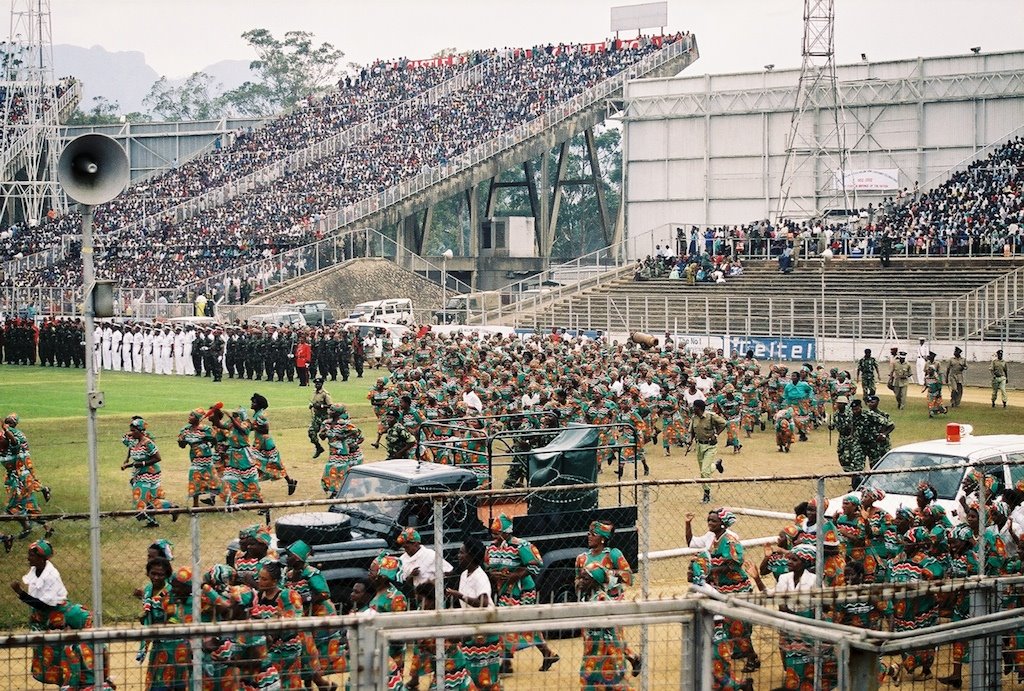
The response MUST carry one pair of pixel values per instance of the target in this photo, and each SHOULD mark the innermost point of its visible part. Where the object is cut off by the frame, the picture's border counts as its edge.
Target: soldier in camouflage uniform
(867, 372)
(899, 377)
(358, 354)
(955, 369)
(327, 359)
(399, 442)
(320, 408)
(874, 431)
(257, 344)
(845, 421)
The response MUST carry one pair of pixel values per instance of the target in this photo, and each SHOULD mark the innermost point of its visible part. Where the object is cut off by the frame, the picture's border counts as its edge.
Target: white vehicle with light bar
(998, 455)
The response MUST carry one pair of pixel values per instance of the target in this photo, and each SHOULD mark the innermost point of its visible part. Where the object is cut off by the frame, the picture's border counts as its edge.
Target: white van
(290, 318)
(988, 453)
(393, 310)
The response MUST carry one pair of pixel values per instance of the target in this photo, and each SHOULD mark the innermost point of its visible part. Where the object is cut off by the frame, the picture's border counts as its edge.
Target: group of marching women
(255, 586)
(230, 453)
(864, 544)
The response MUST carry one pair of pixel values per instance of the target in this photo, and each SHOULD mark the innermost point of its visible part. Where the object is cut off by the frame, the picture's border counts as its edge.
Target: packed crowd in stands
(516, 86)
(696, 267)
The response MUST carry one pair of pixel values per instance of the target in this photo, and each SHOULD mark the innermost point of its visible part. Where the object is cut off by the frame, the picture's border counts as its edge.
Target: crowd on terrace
(514, 87)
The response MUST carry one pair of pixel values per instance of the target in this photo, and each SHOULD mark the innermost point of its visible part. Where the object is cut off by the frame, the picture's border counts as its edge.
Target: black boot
(707, 497)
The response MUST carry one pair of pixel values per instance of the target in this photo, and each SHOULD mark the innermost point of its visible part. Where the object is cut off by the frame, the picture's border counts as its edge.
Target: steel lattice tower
(31, 141)
(816, 154)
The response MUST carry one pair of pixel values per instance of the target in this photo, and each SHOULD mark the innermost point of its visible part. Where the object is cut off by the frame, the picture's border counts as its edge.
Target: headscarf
(935, 511)
(197, 414)
(502, 524)
(916, 536)
(727, 517)
(962, 532)
(791, 532)
(409, 535)
(299, 549)
(165, 547)
(340, 410)
(602, 529)
(12, 418)
(814, 503)
(806, 552)
(138, 424)
(389, 567)
(831, 536)
(42, 547)
(905, 512)
(263, 535)
(872, 494)
(249, 531)
(219, 575)
(927, 490)
(853, 499)
(182, 575)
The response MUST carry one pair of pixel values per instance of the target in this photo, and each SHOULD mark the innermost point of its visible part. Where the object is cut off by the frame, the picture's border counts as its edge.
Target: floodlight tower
(816, 155)
(31, 144)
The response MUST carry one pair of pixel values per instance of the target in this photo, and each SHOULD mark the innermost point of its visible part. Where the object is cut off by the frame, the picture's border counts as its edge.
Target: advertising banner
(769, 348)
(875, 179)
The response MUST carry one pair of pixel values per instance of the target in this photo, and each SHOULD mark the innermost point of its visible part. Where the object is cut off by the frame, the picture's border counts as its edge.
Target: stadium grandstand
(424, 117)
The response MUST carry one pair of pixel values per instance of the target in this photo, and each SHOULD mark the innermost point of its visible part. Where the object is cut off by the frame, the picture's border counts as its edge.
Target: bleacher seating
(515, 87)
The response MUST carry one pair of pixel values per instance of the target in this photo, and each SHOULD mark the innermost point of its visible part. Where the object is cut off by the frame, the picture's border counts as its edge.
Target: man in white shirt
(418, 562)
(181, 356)
(115, 348)
(472, 400)
(190, 337)
(105, 345)
(703, 381)
(922, 356)
(474, 586)
(147, 350)
(43, 583)
(530, 398)
(128, 348)
(139, 345)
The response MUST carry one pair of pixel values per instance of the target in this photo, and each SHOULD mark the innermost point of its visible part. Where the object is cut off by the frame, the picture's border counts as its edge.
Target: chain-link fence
(620, 554)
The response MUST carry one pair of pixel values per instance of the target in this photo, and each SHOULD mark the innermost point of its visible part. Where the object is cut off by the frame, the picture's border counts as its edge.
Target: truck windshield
(946, 481)
(358, 485)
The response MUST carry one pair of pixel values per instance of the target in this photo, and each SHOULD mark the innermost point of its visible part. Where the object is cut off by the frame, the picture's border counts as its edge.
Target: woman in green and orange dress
(512, 564)
(854, 529)
(164, 670)
(603, 665)
(728, 576)
(323, 649)
(201, 441)
(240, 477)
(882, 544)
(385, 572)
(264, 450)
(276, 602)
(615, 563)
(343, 440)
(144, 459)
(723, 676)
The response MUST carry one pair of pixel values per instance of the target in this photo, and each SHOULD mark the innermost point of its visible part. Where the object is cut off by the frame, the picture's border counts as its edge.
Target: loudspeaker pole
(92, 400)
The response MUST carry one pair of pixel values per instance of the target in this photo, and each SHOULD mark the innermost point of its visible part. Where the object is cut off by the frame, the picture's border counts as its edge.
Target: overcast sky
(181, 36)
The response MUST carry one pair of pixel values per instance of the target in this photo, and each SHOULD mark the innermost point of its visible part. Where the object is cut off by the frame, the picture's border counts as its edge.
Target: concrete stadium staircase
(919, 298)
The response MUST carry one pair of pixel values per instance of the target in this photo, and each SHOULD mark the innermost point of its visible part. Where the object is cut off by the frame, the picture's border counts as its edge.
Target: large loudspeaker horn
(93, 169)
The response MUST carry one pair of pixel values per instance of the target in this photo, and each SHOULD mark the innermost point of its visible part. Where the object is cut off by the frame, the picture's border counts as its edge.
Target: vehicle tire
(314, 528)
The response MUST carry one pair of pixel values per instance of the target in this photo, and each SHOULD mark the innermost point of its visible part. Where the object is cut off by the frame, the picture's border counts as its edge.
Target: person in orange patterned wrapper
(722, 674)
(512, 564)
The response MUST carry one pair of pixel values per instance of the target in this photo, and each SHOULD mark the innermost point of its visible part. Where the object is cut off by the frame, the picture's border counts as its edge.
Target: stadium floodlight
(976, 49)
(769, 67)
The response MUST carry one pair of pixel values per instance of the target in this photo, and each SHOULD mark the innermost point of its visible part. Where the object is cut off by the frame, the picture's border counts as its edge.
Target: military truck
(346, 538)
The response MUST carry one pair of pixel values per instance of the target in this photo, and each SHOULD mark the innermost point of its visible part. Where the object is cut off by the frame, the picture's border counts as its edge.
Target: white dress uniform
(115, 349)
(137, 355)
(922, 355)
(105, 344)
(148, 351)
(180, 354)
(190, 337)
(128, 350)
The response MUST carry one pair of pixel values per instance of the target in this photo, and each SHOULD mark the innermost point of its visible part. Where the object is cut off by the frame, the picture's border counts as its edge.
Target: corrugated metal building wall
(710, 149)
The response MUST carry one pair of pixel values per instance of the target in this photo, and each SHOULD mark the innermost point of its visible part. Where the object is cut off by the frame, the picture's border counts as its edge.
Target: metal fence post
(703, 640)
(196, 644)
(439, 588)
(645, 578)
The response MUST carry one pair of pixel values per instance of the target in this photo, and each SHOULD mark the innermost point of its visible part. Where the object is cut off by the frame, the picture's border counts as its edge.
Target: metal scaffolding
(814, 148)
(32, 104)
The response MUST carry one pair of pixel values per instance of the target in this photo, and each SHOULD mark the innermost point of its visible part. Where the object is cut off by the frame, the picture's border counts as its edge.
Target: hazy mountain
(125, 77)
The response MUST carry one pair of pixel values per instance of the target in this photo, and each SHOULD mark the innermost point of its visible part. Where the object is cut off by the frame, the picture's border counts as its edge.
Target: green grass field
(51, 405)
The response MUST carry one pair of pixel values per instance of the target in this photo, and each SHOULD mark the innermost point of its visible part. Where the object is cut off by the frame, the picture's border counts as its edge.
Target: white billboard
(880, 179)
(635, 17)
